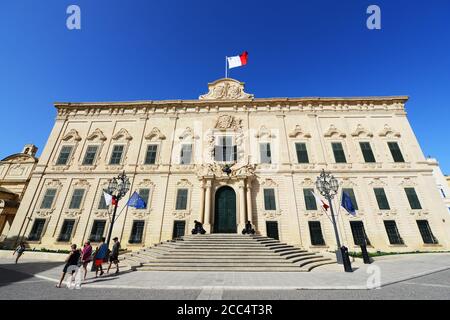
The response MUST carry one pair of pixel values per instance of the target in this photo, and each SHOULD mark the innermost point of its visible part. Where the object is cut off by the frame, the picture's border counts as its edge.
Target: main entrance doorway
(225, 211)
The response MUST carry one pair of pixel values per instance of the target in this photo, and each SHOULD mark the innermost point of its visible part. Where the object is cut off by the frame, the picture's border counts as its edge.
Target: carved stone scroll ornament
(228, 122)
(226, 89)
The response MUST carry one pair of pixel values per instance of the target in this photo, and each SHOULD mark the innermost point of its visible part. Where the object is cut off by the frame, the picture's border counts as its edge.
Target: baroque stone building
(229, 157)
(15, 174)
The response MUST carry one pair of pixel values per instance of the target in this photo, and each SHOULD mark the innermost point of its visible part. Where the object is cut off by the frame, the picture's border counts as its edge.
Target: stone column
(202, 201)
(207, 221)
(249, 201)
(242, 206)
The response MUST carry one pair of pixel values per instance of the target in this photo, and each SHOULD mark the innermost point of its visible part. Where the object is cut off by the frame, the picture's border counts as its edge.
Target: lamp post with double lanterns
(328, 187)
(117, 188)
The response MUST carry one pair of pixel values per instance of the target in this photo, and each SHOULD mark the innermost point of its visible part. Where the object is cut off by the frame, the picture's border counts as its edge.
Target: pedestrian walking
(86, 256)
(73, 259)
(19, 250)
(114, 257)
(100, 255)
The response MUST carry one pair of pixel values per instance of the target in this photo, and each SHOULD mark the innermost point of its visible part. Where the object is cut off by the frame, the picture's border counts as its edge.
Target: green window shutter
(36, 230)
(338, 151)
(77, 196)
(310, 201)
(89, 157)
(66, 230)
(116, 155)
(150, 157)
(302, 153)
(181, 203)
(413, 199)
(48, 199)
(367, 152)
(64, 155)
(315, 231)
(392, 232)
(269, 199)
(395, 151)
(359, 233)
(137, 232)
(266, 155)
(382, 200)
(425, 232)
(97, 231)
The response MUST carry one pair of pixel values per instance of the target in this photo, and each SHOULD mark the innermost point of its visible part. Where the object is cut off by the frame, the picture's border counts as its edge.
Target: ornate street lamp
(328, 187)
(117, 188)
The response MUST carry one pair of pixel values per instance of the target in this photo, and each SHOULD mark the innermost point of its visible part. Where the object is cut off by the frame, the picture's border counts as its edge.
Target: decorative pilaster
(242, 207)
(207, 221)
(202, 202)
(249, 201)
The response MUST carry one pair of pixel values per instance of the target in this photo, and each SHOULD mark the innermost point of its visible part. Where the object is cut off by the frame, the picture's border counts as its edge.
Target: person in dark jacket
(248, 228)
(72, 259)
(114, 257)
(198, 228)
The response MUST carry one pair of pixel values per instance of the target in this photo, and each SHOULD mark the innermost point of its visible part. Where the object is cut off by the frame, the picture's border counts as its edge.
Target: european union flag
(347, 203)
(136, 201)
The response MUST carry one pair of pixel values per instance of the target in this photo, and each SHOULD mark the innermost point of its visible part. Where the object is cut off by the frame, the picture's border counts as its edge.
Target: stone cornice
(259, 101)
(312, 105)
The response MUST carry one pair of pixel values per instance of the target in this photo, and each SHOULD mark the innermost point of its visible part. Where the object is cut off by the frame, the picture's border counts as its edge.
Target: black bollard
(365, 254)
(346, 259)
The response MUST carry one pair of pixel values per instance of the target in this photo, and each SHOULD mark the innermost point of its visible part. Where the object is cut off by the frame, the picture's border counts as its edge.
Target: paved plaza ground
(414, 276)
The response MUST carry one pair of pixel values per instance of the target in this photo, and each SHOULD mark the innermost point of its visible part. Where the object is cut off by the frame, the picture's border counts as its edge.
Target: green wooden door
(225, 211)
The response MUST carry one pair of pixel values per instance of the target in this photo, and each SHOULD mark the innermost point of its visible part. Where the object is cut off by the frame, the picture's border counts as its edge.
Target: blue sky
(150, 50)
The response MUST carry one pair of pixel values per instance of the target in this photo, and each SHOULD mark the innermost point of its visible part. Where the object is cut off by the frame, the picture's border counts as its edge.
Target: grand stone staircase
(224, 252)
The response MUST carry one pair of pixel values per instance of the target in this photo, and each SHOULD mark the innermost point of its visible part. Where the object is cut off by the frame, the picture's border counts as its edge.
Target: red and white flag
(237, 61)
(108, 198)
(320, 202)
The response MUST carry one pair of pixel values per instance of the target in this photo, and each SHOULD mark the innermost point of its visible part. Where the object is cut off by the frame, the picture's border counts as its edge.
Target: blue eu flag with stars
(347, 203)
(136, 201)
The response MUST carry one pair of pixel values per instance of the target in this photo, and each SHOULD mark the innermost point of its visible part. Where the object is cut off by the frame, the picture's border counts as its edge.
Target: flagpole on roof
(226, 67)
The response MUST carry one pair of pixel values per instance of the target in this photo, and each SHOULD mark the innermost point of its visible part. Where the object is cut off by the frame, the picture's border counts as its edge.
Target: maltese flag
(108, 198)
(237, 61)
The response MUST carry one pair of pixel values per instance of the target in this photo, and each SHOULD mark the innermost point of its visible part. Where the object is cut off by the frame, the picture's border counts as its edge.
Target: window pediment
(72, 135)
(96, 135)
(155, 135)
(122, 134)
(360, 130)
(298, 131)
(388, 131)
(333, 131)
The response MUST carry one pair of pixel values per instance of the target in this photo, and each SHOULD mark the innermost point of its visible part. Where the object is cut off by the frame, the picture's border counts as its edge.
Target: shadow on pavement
(11, 273)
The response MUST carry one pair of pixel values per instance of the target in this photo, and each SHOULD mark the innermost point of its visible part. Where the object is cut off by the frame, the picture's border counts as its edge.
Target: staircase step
(224, 252)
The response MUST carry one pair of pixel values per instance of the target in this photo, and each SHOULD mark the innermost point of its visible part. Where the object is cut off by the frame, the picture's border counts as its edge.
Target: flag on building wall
(347, 203)
(136, 201)
(108, 198)
(237, 61)
(320, 202)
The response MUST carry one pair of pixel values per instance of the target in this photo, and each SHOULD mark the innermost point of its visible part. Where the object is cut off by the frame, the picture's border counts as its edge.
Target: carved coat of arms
(226, 89)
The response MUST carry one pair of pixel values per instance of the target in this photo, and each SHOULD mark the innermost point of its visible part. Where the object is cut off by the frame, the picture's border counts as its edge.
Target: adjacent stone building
(15, 174)
(227, 158)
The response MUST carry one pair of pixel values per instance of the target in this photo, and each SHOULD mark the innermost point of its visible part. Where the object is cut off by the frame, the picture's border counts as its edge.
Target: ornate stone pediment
(332, 130)
(228, 122)
(72, 134)
(97, 134)
(155, 135)
(226, 89)
(361, 130)
(298, 132)
(122, 134)
(389, 131)
(264, 132)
